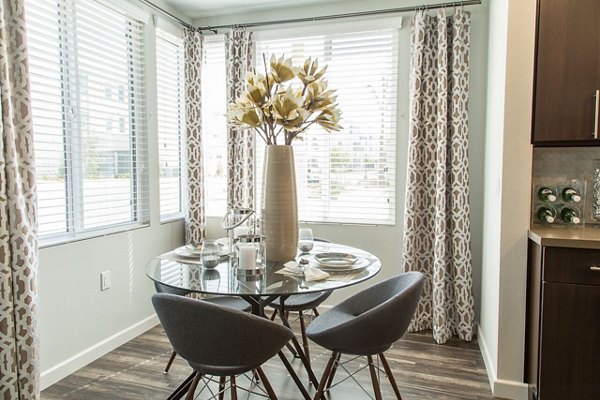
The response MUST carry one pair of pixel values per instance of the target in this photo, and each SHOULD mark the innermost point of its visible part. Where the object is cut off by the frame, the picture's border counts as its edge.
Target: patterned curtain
(240, 143)
(195, 222)
(19, 372)
(437, 232)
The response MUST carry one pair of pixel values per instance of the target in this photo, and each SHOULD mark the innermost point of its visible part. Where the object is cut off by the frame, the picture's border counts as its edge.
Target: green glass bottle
(570, 215)
(546, 215)
(571, 195)
(546, 194)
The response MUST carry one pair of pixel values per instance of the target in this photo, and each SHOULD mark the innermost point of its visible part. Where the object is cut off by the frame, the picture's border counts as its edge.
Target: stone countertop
(580, 238)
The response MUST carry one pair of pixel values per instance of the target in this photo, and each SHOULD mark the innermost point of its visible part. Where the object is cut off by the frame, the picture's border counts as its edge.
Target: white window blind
(349, 176)
(170, 83)
(214, 125)
(89, 116)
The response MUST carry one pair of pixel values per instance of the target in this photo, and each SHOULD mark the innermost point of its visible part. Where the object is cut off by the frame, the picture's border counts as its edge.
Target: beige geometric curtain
(195, 221)
(240, 143)
(19, 372)
(437, 232)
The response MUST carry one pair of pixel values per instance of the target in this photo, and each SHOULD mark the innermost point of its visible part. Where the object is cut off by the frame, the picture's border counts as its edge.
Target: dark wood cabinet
(563, 323)
(567, 73)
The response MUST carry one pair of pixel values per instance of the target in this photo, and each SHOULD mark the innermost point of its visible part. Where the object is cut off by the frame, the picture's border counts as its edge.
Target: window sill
(58, 240)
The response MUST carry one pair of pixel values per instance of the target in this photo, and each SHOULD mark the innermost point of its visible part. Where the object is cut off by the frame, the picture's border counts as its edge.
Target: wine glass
(305, 240)
(210, 254)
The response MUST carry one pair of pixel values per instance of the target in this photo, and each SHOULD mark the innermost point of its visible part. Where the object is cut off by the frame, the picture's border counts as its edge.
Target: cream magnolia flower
(308, 73)
(244, 114)
(282, 70)
(288, 111)
(272, 108)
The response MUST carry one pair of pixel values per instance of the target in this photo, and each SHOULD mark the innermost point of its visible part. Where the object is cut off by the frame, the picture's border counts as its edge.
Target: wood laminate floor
(423, 370)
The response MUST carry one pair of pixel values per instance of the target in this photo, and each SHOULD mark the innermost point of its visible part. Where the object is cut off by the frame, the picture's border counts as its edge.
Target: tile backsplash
(564, 163)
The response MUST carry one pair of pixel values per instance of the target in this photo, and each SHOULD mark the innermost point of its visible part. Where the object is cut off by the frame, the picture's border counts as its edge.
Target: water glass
(305, 240)
(210, 254)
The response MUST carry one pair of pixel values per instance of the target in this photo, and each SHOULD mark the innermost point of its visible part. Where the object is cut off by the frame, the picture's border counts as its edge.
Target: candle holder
(238, 221)
(250, 258)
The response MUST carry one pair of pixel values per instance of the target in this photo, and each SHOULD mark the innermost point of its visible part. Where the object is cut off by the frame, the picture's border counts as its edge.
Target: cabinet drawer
(569, 265)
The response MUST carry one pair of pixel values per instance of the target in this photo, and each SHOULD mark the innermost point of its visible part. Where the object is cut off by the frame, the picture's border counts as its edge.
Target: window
(171, 123)
(214, 125)
(349, 176)
(89, 116)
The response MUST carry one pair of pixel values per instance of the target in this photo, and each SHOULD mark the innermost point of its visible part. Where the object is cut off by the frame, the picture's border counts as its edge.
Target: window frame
(301, 30)
(71, 131)
(164, 33)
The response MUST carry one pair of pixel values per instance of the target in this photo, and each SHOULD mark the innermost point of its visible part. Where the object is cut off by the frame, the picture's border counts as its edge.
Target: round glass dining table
(186, 275)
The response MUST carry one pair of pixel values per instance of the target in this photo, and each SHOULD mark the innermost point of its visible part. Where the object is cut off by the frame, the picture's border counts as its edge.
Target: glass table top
(179, 273)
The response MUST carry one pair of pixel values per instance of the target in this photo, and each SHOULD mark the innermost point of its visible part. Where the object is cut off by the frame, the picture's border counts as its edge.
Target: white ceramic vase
(279, 204)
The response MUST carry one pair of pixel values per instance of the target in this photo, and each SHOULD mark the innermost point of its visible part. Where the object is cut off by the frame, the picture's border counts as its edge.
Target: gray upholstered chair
(300, 303)
(217, 340)
(367, 324)
(227, 301)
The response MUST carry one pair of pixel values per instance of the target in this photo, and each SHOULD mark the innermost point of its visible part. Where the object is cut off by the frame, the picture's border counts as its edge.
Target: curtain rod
(313, 19)
(166, 13)
(346, 15)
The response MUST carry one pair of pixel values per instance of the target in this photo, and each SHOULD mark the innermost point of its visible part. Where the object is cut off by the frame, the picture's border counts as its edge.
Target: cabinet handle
(595, 269)
(596, 113)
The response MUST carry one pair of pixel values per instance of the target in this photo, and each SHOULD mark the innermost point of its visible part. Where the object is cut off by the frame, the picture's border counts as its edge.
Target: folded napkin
(310, 273)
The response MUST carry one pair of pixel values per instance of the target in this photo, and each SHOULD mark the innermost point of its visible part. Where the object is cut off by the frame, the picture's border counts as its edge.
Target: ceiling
(211, 8)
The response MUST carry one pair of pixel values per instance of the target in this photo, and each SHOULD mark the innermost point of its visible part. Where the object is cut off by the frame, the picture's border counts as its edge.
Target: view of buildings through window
(89, 116)
(347, 176)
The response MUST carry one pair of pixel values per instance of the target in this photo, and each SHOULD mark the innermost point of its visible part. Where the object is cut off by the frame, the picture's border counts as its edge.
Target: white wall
(507, 194)
(386, 241)
(78, 322)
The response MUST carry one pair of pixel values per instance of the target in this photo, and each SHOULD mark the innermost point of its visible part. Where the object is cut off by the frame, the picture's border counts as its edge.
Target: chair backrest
(162, 288)
(383, 311)
(213, 335)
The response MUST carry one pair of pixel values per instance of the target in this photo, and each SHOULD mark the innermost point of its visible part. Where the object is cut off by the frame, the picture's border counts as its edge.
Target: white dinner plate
(361, 264)
(187, 252)
(195, 252)
(336, 260)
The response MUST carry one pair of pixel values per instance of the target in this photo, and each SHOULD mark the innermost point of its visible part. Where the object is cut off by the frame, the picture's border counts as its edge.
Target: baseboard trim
(501, 388)
(80, 360)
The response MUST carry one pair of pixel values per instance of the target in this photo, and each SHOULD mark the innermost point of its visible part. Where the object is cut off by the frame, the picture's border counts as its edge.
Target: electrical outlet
(105, 280)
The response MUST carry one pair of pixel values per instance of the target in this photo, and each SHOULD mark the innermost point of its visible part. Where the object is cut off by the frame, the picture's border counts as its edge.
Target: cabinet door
(570, 342)
(567, 72)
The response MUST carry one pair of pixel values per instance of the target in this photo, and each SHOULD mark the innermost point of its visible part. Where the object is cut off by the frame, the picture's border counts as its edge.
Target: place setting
(322, 265)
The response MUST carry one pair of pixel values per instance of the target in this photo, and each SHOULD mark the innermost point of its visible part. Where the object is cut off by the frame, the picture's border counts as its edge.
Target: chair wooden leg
(304, 338)
(326, 373)
(266, 384)
(222, 387)
(288, 345)
(274, 315)
(316, 312)
(374, 378)
(256, 376)
(233, 389)
(173, 354)
(333, 371)
(294, 376)
(390, 376)
(193, 386)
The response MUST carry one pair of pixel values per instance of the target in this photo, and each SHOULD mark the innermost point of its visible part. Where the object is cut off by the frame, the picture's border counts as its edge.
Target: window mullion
(71, 120)
(133, 161)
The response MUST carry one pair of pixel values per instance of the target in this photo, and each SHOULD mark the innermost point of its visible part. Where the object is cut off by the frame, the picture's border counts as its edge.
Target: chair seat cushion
(324, 331)
(301, 302)
(230, 301)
